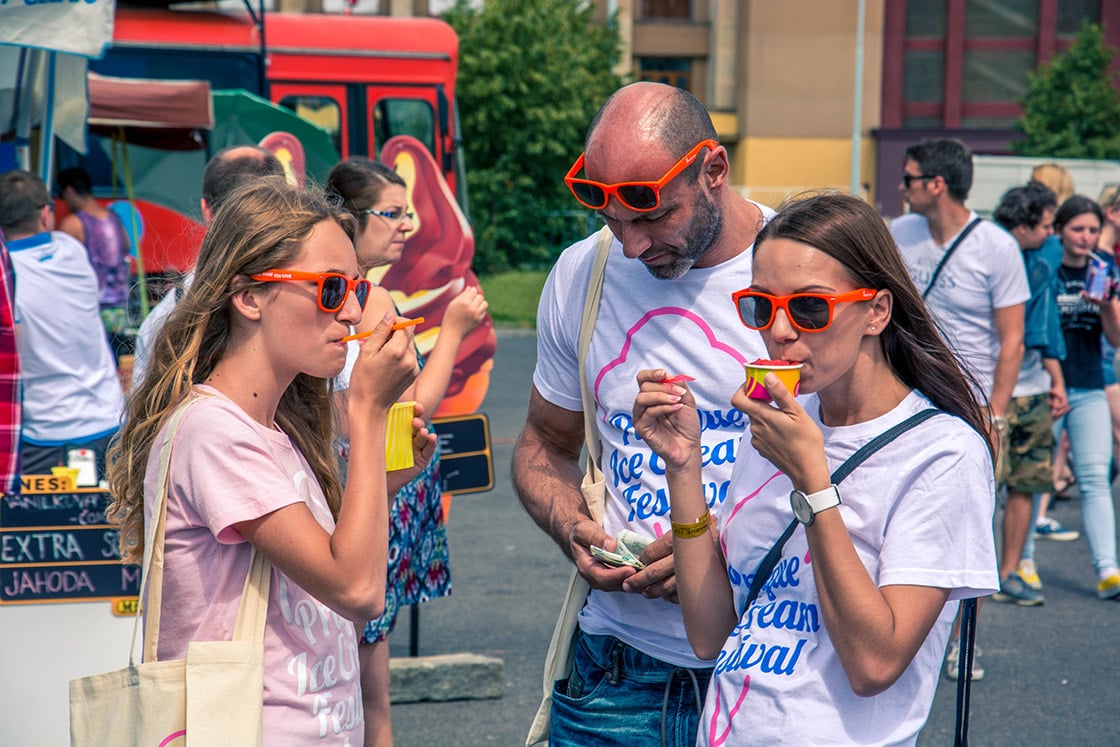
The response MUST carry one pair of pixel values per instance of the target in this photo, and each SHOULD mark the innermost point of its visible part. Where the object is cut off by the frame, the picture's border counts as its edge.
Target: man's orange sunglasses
(808, 312)
(641, 197)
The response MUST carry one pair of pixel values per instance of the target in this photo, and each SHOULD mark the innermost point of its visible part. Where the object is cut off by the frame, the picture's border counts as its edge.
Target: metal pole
(857, 101)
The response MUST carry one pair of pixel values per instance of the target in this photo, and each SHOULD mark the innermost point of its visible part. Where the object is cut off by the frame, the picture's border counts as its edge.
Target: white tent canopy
(43, 52)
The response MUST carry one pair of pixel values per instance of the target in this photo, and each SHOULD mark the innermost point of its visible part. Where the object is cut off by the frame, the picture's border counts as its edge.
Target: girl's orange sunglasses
(641, 197)
(333, 287)
(808, 312)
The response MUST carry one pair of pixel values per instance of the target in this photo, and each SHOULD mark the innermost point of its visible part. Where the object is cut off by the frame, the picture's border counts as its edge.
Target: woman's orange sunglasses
(333, 287)
(808, 312)
(641, 197)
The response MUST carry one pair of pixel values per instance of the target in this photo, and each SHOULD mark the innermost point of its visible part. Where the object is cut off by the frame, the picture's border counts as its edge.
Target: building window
(673, 71)
(964, 63)
(667, 9)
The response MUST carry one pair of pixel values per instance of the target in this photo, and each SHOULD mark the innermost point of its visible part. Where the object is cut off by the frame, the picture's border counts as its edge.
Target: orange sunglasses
(808, 312)
(333, 287)
(641, 197)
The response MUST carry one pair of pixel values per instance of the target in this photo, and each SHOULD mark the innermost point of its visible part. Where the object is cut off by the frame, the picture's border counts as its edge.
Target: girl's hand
(423, 449)
(665, 417)
(783, 433)
(386, 366)
(465, 312)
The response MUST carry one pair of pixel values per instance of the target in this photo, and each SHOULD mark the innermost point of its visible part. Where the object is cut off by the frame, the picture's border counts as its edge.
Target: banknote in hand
(630, 546)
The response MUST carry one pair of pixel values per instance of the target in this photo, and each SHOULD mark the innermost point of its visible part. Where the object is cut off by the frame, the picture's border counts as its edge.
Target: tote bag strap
(586, 330)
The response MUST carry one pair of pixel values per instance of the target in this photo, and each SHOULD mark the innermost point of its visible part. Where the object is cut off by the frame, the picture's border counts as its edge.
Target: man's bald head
(648, 113)
(231, 168)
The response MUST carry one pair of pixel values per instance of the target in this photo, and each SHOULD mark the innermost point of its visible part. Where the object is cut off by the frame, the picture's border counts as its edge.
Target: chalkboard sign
(466, 464)
(56, 545)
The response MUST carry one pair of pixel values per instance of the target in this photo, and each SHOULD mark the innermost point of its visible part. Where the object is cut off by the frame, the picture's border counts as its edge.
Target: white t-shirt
(225, 469)
(146, 335)
(71, 390)
(919, 512)
(687, 325)
(985, 273)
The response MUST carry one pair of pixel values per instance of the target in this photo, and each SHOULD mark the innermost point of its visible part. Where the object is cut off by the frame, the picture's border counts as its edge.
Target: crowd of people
(800, 556)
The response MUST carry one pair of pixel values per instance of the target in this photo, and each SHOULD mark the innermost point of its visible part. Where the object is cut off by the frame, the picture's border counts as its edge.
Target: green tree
(1072, 109)
(532, 74)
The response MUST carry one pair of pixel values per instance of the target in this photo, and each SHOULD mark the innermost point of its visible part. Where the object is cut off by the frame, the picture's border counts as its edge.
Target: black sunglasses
(908, 178)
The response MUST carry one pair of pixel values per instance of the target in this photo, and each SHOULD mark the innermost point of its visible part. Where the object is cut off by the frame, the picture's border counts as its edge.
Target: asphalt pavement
(1052, 672)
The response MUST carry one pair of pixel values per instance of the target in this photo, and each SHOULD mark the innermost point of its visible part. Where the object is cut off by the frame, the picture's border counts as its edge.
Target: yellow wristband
(696, 528)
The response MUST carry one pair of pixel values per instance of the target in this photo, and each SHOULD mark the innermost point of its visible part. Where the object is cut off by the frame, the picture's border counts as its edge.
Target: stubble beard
(706, 225)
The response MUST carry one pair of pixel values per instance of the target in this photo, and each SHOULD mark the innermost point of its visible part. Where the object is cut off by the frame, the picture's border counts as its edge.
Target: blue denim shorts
(616, 696)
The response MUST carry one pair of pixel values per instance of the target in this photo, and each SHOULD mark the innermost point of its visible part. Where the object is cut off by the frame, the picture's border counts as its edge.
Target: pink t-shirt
(226, 468)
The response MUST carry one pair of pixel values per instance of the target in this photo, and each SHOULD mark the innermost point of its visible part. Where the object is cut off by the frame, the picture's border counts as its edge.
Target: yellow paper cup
(398, 436)
(68, 472)
(789, 375)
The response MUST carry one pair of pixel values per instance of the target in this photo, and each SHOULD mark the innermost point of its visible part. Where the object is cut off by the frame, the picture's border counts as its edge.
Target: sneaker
(1014, 590)
(953, 660)
(1050, 529)
(1029, 573)
(1109, 588)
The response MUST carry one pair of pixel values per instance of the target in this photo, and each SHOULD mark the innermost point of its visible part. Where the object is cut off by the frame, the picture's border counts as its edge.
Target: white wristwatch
(806, 507)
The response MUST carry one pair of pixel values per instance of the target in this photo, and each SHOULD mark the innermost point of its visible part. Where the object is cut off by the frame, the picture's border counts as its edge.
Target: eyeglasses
(907, 179)
(393, 216)
(808, 312)
(641, 197)
(333, 287)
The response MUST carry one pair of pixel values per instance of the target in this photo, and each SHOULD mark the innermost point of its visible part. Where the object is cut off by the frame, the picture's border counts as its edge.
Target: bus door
(423, 112)
(328, 105)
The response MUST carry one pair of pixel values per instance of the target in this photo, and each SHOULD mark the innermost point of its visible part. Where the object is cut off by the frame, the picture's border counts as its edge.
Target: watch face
(801, 508)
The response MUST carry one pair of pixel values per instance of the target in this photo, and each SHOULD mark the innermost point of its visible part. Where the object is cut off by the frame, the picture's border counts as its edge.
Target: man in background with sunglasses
(72, 399)
(682, 243)
(971, 274)
(227, 170)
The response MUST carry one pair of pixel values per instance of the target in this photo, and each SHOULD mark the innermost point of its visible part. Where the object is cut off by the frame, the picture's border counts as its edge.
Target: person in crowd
(682, 242)
(844, 641)
(1027, 213)
(100, 230)
(227, 170)
(11, 412)
(1109, 202)
(418, 569)
(1056, 177)
(970, 273)
(1085, 315)
(72, 399)
(251, 348)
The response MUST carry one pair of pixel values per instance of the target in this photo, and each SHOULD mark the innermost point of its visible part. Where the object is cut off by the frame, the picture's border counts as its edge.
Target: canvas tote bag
(558, 660)
(213, 697)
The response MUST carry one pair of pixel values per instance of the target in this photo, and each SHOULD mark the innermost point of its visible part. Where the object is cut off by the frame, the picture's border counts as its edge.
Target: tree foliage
(532, 74)
(1072, 109)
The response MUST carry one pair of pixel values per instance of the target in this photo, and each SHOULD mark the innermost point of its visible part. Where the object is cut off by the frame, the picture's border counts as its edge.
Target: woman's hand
(465, 312)
(666, 419)
(386, 366)
(423, 449)
(783, 433)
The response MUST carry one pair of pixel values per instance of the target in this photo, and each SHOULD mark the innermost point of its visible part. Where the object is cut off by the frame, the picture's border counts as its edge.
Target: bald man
(678, 248)
(227, 170)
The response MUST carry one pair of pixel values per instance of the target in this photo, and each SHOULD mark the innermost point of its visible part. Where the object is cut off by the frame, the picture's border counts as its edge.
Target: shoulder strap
(586, 329)
(766, 567)
(948, 253)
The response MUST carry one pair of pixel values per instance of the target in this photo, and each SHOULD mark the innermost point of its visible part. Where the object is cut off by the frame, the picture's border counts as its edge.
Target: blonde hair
(1056, 177)
(260, 227)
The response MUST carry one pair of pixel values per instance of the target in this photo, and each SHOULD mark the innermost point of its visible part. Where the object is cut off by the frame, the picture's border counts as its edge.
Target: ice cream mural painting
(434, 268)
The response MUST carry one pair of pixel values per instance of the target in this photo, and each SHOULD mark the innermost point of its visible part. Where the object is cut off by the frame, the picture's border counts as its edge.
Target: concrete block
(446, 677)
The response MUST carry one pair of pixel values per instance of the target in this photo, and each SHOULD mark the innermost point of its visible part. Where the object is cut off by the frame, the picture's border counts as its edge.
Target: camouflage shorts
(1026, 453)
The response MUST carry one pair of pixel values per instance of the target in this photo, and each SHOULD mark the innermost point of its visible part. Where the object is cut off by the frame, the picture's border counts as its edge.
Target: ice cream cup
(69, 472)
(398, 436)
(788, 373)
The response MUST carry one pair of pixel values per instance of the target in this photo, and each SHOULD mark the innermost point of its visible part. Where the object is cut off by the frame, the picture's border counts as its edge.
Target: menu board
(56, 545)
(466, 463)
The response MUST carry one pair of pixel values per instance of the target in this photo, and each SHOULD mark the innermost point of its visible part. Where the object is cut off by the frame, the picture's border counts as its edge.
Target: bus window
(319, 110)
(404, 117)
